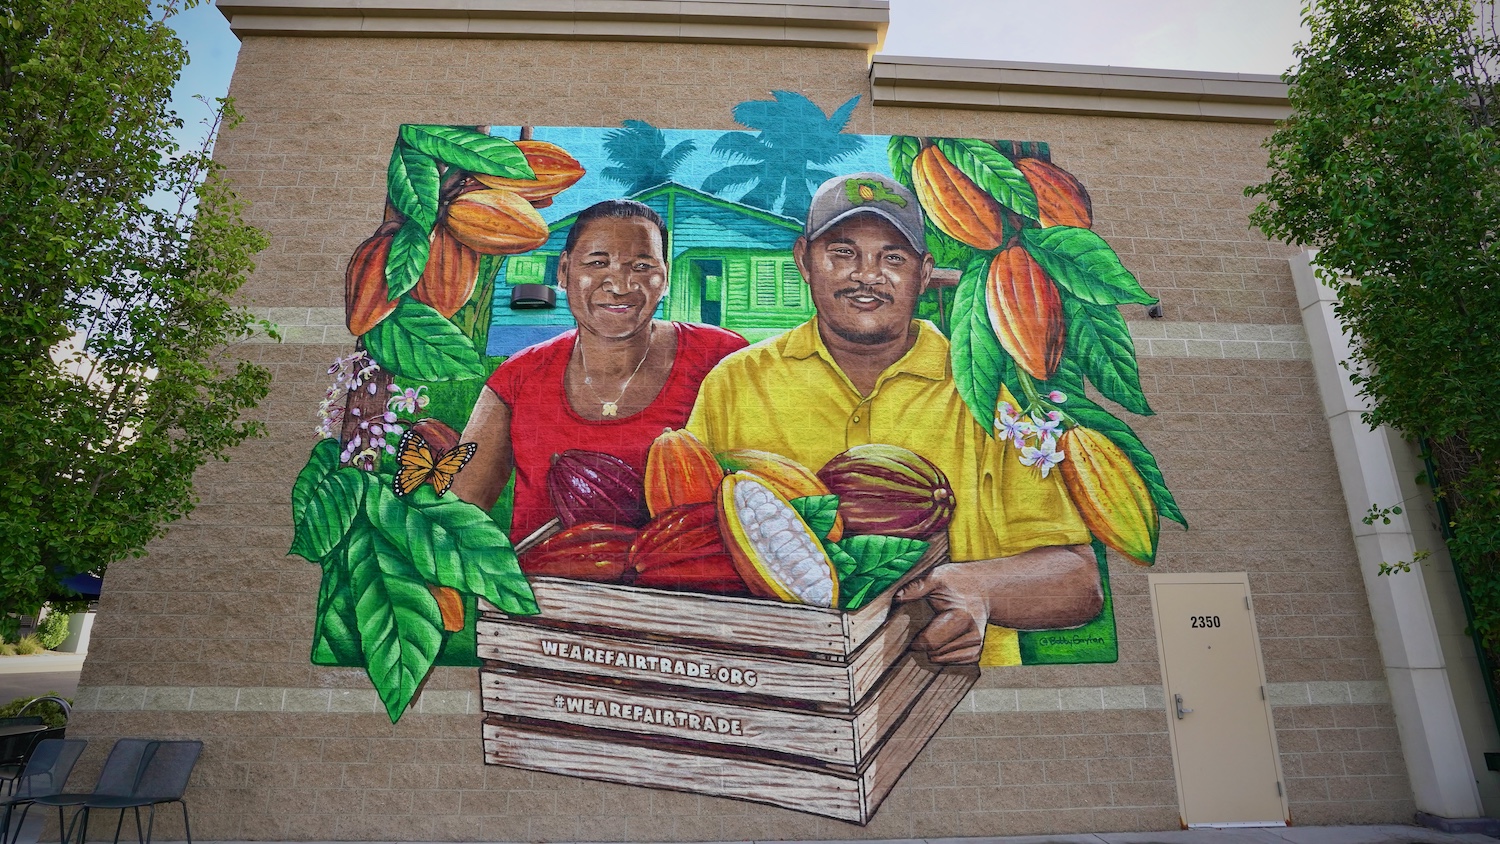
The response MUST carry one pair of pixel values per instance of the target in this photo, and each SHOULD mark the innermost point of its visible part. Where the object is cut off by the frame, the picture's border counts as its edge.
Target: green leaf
(1084, 265)
(1091, 415)
(400, 626)
(992, 172)
(819, 511)
(336, 629)
(411, 182)
(978, 360)
(902, 151)
(416, 342)
(469, 150)
(1100, 341)
(323, 510)
(867, 565)
(408, 257)
(450, 542)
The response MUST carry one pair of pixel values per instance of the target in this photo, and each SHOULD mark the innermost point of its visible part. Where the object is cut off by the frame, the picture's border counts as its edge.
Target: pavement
(39, 674)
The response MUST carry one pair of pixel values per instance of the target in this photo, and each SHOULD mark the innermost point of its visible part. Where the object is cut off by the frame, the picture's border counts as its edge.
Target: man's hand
(1041, 589)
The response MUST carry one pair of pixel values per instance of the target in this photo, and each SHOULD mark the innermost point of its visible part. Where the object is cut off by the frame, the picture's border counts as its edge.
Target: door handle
(1181, 710)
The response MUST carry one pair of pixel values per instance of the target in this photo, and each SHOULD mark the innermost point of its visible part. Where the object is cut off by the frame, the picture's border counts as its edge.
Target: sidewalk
(41, 663)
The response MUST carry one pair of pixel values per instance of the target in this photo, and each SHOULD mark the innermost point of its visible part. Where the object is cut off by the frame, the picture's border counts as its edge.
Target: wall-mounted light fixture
(530, 297)
(1153, 311)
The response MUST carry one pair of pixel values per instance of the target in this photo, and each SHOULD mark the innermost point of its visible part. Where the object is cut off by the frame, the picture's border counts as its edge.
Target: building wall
(208, 635)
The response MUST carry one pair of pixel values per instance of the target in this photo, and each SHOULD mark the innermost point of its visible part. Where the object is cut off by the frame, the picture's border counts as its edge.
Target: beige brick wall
(208, 636)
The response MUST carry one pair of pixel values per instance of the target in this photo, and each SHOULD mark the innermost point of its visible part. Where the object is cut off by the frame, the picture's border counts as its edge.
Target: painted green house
(731, 266)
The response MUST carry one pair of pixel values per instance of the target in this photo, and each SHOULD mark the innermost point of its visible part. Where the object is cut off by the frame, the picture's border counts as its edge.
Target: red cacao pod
(586, 551)
(679, 470)
(681, 549)
(1060, 198)
(366, 296)
(889, 490)
(590, 486)
(954, 203)
(1026, 312)
(448, 280)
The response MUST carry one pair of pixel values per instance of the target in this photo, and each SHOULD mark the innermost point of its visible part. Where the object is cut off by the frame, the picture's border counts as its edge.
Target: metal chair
(46, 773)
(142, 773)
(13, 764)
(122, 768)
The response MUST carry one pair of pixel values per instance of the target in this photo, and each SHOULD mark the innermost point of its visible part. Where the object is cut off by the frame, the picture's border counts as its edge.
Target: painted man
(863, 370)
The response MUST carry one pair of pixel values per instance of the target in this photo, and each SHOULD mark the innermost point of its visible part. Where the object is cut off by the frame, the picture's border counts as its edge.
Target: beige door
(1223, 744)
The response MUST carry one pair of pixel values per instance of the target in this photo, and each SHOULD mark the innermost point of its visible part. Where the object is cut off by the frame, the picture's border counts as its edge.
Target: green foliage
(992, 172)
(1390, 167)
(28, 645)
(639, 156)
(868, 565)
(115, 305)
(50, 712)
(978, 360)
(52, 630)
(417, 342)
(819, 511)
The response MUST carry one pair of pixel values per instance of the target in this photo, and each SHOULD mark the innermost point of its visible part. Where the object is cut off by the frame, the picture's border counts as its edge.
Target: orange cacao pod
(954, 203)
(1111, 495)
(452, 269)
(680, 470)
(1060, 198)
(783, 474)
(451, 605)
(366, 297)
(495, 222)
(586, 551)
(682, 549)
(1026, 312)
(555, 170)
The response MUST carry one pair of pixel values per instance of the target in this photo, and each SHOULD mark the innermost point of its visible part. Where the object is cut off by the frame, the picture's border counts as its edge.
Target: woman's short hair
(615, 208)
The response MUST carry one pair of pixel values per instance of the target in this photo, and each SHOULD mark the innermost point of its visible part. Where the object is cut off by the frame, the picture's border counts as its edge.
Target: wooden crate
(812, 709)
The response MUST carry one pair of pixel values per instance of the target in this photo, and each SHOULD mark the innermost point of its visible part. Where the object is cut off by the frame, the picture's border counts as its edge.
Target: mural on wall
(726, 457)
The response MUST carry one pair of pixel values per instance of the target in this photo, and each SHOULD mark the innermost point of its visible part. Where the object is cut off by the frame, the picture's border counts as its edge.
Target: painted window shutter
(792, 288)
(526, 269)
(765, 284)
(737, 270)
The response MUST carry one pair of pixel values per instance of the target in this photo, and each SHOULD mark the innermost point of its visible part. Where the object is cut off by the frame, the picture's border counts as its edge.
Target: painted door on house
(1223, 742)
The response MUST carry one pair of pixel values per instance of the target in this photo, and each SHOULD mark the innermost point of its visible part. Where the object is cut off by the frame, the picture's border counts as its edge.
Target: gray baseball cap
(842, 197)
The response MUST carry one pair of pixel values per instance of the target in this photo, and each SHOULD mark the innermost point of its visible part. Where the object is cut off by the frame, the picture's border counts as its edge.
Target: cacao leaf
(417, 342)
(978, 360)
(819, 511)
(324, 503)
(992, 172)
(1099, 341)
(469, 150)
(1084, 265)
(451, 543)
(400, 627)
(411, 182)
(902, 151)
(867, 565)
(1091, 415)
(408, 258)
(335, 630)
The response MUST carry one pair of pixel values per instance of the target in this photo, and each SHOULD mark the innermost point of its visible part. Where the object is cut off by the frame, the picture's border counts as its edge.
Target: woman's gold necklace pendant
(609, 408)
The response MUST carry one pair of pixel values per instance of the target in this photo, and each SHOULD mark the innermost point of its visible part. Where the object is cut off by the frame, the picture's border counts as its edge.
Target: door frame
(1213, 578)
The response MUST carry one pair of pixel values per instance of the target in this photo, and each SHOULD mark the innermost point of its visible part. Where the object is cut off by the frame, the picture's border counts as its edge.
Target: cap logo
(862, 191)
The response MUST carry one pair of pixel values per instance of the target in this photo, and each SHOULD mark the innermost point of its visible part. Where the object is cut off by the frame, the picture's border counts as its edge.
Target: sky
(1228, 36)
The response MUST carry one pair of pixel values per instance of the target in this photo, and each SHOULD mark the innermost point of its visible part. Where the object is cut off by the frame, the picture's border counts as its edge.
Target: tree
(641, 158)
(784, 161)
(121, 257)
(1389, 166)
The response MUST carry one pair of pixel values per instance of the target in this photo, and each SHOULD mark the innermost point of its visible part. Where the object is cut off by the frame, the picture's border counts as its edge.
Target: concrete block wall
(208, 636)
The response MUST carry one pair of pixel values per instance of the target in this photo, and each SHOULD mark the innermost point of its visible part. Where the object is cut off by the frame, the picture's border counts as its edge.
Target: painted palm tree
(785, 159)
(641, 158)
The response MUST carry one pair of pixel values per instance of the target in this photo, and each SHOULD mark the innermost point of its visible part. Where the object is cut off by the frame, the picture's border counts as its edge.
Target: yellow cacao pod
(452, 269)
(555, 170)
(495, 222)
(1110, 494)
(1026, 312)
(1060, 198)
(957, 206)
(366, 295)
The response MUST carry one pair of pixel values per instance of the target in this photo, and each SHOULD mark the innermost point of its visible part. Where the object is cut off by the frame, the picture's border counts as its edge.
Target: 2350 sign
(1205, 621)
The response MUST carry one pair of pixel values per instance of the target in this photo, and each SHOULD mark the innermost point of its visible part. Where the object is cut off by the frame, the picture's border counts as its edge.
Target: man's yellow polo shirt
(786, 395)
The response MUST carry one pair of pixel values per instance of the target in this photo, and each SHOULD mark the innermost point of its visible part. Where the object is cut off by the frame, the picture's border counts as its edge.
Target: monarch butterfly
(419, 463)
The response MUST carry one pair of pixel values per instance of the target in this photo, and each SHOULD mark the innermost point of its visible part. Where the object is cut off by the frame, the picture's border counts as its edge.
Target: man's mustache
(864, 290)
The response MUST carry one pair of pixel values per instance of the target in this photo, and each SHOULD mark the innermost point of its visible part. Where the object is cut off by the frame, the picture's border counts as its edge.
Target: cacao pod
(889, 490)
(1060, 198)
(783, 474)
(1110, 494)
(682, 549)
(495, 222)
(955, 204)
(774, 551)
(367, 298)
(590, 486)
(450, 605)
(586, 551)
(448, 280)
(555, 170)
(1026, 312)
(679, 470)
